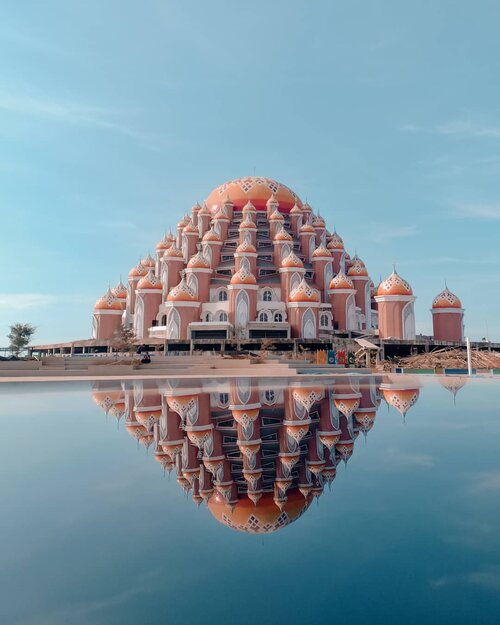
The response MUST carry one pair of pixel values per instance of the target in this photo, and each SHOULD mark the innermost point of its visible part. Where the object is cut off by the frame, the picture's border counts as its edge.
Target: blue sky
(115, 117)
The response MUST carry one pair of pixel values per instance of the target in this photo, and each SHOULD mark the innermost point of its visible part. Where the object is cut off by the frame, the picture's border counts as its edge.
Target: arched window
(223, 316)
(263, 316)
(164, 320)
(269, 396)
(223, 399)
(222, 296)
(267, 296)
(245, 264)
(323, 321)
(308, 325)
(193, 283)
(278, 317)
(208, 316)
(174, 325)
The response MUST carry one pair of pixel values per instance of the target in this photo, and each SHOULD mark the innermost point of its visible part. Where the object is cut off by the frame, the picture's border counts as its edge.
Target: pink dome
(198, 261)
(292, 260)
(321, 252)
(211, 235)
(357, 269)
(173, 252)
(137, 271)
(341, 281)
(243, 277)
(120, 291)
(446, 299)
(248, 224)
(108, 302)
(394, 285)
(304, 293)
(182, 293)
(336, 242)
(307, 228)
(148, 262)
(254, 189)
(246, 247)
(150, 281)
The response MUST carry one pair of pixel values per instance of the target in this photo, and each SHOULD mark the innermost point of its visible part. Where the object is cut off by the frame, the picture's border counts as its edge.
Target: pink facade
(234, 268)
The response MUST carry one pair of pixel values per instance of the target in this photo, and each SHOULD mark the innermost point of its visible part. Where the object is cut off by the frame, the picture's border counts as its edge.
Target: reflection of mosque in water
(256, 453)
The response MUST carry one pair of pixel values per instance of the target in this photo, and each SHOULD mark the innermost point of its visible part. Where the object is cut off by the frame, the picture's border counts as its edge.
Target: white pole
(469, 357)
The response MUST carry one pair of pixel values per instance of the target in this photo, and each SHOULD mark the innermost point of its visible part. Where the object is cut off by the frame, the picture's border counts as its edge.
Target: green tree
(123, 339)
(20, 337)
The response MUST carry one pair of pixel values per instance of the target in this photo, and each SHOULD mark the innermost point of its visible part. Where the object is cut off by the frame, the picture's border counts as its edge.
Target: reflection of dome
(254, 189)
(262, 517)
(401, 399)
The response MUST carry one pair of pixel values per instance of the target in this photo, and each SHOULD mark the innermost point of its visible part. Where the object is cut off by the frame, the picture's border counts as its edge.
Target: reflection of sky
(92, 532)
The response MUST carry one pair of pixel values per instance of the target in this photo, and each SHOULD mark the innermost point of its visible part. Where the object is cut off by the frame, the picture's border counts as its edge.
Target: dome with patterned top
(446, 299)
(303, 292)
(394, 285)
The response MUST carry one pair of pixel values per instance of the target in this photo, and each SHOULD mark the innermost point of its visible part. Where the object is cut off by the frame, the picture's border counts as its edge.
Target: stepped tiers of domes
(255, 453)
(254, 261)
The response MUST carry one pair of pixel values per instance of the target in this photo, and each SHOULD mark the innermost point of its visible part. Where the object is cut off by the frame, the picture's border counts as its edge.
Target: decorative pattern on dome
(204, 211)
(198, 261)
(148, 261)
(249, 207)
(306, 228)
(120, 291)
(272, 201)
(321, 252)
(357, 269)
(276, 216)
(246, 246)
(137, 271)
(108, 302)
(318, 222)
(150, 281)
(402, 399)
(341, 281)
(292, 260)
(243, 276)
(173, 252)
(248, 224)
(211, 235)
(190, 228)
(182, 292)
(446, 299)
(336, 242)
(283, 235)
(394, 285)
(246, 184)
(304, 293)
(296, 210)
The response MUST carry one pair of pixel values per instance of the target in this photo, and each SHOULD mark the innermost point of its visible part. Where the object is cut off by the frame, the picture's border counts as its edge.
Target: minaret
(189, 240)
(198, 274)
(171, 267)
(204, 219)
(318, 224)
(107, 316)
(323, 273)
(195, 210)
(148, 300)
(248, 231)
(295, 219)
(291, 273)
(242, 301)
(307, 236)
(336, 247)
(182, 307)
(282, 244)
(276, 221)
(361, 280)
(303, 306)
(448, 317)
(396, 317)
(212, 245)
(342, 294)
(134, 275)
(245, 256)
(272, 205)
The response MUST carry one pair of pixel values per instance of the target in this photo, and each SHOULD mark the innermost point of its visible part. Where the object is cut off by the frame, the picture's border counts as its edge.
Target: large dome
(254, 189)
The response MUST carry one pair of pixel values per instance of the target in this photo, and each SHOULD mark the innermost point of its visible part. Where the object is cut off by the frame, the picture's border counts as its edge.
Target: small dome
(272, 201)
(150, 281)
(138, 271)
(394, 285)
(446, 299)
(318, 222)
(249, 207)
(283, 235)
(243, 277)
(173, 252)
(211, 235)
(306, 228)
(401, 399)
(183, 222)
(276, 216)
(163, 244)
(148, 262)
(336, 242)
(220, 215)
(307, 208)
(357, 269)
(304, 293)
(321, 252)
(182, 292)
(198, 261)
(196, 208)
(120, 291)
(190, 228)
(204, 212)
(108, 302)
(246, 246)
(248, 224)
(296, 210)
(341, 281)
(292, 260)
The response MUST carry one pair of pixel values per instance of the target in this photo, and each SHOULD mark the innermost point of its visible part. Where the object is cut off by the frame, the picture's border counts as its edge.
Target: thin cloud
(487, 578)
(72, 113)
(477, 210)
(31, 301)
(387, 233)
(459, 128)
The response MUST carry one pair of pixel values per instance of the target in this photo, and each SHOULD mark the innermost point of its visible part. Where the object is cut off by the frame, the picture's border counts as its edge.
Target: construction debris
(446, 359)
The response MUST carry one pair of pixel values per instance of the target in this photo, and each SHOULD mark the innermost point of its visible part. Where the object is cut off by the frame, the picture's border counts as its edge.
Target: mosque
(255, 262)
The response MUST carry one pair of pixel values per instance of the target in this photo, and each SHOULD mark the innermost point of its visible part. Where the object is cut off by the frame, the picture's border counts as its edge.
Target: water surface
(371, 499)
